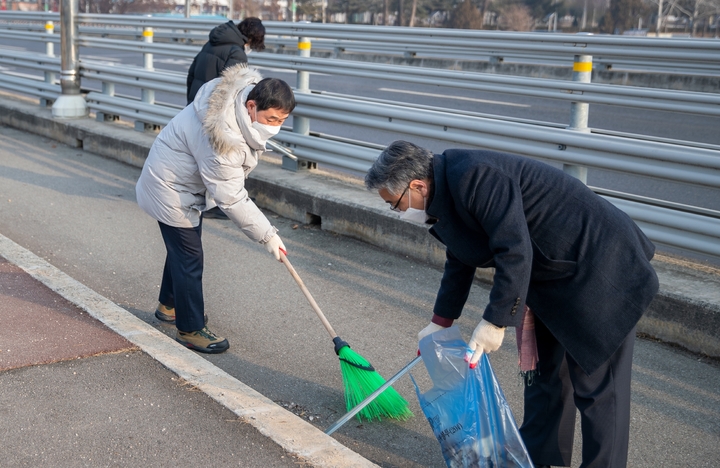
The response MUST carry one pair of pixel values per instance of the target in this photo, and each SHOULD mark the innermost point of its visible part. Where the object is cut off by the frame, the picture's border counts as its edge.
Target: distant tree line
(696, 17)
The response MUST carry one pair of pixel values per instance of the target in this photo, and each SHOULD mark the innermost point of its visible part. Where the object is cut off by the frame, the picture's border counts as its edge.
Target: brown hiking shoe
(203, 340)
(167, 314)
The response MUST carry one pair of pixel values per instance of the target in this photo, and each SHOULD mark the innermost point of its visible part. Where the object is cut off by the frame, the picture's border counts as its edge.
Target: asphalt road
(78, 211)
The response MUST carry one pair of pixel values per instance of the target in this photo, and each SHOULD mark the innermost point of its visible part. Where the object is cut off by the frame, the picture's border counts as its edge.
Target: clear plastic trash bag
(466, 408)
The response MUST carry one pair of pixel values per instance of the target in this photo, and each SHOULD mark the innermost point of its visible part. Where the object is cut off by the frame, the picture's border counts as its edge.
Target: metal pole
(50, 52)
(659, 19)
(579, 111)
(70, 104)
(148, 95)
(187, 8)
(301, 125)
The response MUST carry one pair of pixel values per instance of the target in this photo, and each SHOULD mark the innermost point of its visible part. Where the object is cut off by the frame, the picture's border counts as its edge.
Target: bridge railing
(685, 55)
(686, 162)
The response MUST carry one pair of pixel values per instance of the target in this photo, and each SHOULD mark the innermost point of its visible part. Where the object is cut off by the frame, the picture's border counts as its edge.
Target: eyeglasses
(395, 206)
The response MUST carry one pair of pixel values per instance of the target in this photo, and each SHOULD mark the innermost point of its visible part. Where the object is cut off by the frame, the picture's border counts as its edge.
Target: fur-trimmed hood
(221, 108)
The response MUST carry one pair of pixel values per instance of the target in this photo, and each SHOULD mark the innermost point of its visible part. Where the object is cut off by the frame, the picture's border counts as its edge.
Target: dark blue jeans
(181, 285)
(603, 399)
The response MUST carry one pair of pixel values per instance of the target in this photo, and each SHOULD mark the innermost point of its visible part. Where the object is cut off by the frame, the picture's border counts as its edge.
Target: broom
(359, 377)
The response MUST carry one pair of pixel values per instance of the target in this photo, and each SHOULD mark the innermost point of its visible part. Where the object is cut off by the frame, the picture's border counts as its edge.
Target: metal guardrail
(654, 99)
(594, 93)
(684, 227)
(611, 52)
(697, 164)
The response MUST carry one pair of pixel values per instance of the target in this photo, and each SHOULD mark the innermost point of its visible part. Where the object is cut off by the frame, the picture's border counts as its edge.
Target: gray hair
(397, 165)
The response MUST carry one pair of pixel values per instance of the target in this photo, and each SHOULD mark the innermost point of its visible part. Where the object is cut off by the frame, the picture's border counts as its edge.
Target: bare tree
(466, 16)
(412, 13)
(516, 17)
(126, 6)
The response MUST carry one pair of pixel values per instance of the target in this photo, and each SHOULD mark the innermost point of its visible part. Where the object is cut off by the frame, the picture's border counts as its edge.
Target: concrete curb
(289, 431)
(685, 312)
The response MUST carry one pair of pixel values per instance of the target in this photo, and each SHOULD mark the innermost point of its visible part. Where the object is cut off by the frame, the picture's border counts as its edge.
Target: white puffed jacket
(203, 156)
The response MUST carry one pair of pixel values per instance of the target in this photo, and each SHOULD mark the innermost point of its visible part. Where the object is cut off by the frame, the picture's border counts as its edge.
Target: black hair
(253, 29)
(272, 93)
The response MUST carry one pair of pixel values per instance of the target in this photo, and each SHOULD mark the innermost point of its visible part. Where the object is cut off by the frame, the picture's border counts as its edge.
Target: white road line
(103, 59)
(285, 70)
(21, 75)
(459, 98)
(175, 61)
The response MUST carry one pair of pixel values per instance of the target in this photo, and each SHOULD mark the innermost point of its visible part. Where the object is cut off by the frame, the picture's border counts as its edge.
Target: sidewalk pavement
(86, 383)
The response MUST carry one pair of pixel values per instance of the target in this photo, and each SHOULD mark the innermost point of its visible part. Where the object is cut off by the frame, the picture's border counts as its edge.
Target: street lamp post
(70, 104)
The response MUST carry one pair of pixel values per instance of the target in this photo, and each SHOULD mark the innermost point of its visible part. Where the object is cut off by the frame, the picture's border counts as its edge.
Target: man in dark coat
(581, 266)
(228, 45)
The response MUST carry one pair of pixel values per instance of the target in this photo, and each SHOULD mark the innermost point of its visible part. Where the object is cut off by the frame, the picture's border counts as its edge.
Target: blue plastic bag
(466, 408)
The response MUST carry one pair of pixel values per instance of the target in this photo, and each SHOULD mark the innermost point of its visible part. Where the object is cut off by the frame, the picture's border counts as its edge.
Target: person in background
(199, 160)
(227, 45)
(572, 274)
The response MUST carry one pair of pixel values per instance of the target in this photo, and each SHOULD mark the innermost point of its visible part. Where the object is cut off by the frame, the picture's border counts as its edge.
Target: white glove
(274, 246)
(430, 329)
(485, 339)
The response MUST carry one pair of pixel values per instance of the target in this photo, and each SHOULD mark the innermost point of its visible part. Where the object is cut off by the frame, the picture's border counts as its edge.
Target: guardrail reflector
(582, 67)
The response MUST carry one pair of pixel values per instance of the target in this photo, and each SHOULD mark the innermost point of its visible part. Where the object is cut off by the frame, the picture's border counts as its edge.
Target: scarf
(527, 347)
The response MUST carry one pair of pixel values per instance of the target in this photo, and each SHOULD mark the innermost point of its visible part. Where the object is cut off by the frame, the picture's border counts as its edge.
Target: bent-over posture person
(568, 265)
(201, 160)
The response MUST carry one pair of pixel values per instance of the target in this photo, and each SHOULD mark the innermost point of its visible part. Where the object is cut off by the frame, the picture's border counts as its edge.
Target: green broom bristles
(360, 380)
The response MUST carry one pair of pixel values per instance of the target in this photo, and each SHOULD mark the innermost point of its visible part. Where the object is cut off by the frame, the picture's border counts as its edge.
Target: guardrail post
(148, 95)
(301, 125)
(70, 104)
(582, 72)
(50, 52)
(108, 89)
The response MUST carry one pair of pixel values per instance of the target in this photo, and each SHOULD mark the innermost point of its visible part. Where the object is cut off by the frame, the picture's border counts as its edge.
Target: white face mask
(413, 214)
(247, 49)
(265, 131)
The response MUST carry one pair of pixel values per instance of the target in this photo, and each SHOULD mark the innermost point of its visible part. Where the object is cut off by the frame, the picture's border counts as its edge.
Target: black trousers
(603, 399)
(181, 285)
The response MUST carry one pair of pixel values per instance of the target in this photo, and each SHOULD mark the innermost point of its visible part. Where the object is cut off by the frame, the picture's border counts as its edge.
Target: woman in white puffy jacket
(201, 160)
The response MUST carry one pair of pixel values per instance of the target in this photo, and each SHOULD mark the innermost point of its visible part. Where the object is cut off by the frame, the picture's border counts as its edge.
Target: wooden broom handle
(309, 297)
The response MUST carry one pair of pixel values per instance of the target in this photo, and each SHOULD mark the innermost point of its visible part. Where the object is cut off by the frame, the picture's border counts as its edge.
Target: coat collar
(225, 127)
(440, 194)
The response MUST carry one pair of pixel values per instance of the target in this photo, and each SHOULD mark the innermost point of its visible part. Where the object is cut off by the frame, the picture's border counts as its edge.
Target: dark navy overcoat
(582, 265)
